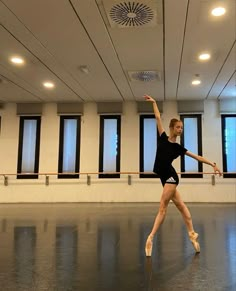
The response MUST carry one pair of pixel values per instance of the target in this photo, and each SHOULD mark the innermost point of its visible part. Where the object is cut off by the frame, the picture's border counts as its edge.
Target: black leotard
(166, 152)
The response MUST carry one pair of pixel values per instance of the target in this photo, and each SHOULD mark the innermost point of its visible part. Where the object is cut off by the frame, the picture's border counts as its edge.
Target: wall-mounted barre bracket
(5, 180)
(46, 180)
(213, 180)
(129, 179)
(88, 180)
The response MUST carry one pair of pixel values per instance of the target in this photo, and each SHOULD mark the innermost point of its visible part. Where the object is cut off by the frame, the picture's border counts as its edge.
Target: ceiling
(109, 50)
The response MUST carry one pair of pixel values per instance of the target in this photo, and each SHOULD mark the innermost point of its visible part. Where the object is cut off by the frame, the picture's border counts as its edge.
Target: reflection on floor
(101, 247)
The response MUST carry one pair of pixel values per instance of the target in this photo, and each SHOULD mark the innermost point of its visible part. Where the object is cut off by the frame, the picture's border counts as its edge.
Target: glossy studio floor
(101, 247)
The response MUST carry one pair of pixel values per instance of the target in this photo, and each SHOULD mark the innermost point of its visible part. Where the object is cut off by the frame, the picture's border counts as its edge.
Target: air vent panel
(131, 14)
(144, 76)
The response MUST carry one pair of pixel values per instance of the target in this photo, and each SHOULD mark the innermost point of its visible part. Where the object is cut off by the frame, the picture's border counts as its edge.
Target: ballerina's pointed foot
(148, 247)
(193, 236)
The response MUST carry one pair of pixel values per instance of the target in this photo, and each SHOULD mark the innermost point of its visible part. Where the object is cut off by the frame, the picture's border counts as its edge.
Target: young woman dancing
(168, 150)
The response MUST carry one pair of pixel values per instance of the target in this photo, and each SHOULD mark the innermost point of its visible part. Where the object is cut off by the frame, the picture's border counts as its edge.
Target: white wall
(105, 190)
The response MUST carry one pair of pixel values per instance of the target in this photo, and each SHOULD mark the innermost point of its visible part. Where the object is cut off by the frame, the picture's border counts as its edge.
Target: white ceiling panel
(68, 42)
(12, 92)
(31, 75)
(137, 42)
(229, 91)
(225, 77)
(175, 18)
(202, 35)
(102, 42)
(125, 49)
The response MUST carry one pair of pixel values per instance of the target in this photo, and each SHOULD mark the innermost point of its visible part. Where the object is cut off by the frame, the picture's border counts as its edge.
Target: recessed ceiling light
(196, 82)
(204, 57)
(17, 60)
(48, 85)
(218, 11)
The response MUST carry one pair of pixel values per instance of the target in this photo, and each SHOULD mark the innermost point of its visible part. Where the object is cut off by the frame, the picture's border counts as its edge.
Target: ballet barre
(89, 174)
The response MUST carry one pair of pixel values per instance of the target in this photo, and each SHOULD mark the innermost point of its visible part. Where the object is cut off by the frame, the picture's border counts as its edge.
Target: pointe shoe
(148, 247)
(193, 236)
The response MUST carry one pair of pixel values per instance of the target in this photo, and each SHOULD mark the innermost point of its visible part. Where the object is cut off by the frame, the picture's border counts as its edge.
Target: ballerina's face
(178, 128)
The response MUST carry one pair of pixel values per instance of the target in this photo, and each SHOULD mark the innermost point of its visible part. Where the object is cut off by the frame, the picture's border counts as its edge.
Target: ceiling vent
(130, 14)
(144, 76)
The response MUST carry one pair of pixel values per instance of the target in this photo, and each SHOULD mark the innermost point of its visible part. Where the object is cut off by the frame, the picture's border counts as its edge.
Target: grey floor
(101, 247)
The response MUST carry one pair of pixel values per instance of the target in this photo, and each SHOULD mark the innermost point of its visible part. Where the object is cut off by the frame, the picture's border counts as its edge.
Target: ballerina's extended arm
(156, 112)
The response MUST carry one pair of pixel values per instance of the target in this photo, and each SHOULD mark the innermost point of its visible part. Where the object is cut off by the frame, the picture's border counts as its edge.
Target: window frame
(226, 174)
(37, 148)
(101, 146)
(61, 142)
(199, 139)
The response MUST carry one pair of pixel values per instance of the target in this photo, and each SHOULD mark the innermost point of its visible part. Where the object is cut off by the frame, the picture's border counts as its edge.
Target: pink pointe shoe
(148, 247)
(193, 236)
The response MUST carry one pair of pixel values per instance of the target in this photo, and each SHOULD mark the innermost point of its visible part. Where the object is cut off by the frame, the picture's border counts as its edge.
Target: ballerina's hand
(217, 170)
(148, 98)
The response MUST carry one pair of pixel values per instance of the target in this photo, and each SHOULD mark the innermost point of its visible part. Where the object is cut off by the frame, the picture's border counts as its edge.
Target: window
(148, 145)
(109, 150)
(28, 150)
(69, 147)
(192, 140)
(229, 145)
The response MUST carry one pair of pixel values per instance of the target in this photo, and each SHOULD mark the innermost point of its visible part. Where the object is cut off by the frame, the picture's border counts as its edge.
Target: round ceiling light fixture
(204, 56)
(196, 82)
(218, 11)
(17, 60)
(48, 85)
